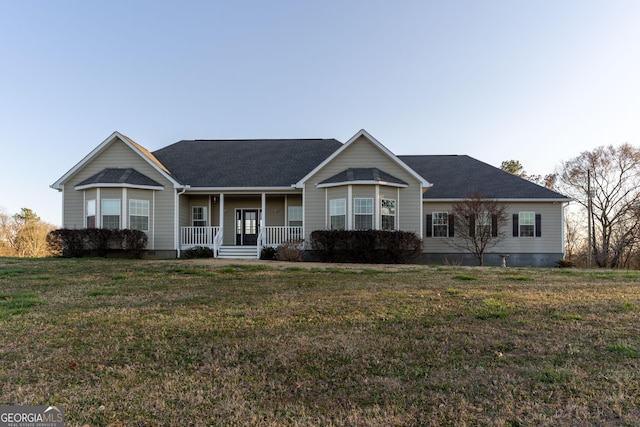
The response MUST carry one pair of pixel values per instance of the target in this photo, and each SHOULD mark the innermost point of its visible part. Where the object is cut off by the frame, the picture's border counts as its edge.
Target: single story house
(236, 196)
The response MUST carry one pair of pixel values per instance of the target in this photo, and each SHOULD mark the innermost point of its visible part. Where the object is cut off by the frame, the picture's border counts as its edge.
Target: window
(363, 211)
(139, 215)
(483, 224)
(199, 216)
(527, 224)
(295, 216)
(111, 213)
(388, 211)
(338, 213)
(91, 214)
(440, 224)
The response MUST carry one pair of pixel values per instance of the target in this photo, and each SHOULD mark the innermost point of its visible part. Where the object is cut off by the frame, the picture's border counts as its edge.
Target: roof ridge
(256, 139)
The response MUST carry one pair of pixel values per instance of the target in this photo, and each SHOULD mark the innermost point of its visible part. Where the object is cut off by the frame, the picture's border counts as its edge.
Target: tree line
(24, 235)
(605, 184)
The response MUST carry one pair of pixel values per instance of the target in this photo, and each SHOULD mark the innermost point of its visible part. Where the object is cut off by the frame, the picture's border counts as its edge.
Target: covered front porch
(239, 225)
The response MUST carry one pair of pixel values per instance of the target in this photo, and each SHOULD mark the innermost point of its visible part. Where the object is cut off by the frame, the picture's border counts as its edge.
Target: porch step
(238, 252)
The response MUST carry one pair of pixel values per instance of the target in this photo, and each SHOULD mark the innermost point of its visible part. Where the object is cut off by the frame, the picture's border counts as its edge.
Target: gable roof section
(137, 148)
(461, 176)
(363, 176)
(375, 142)
(116, 177)
(255, 163)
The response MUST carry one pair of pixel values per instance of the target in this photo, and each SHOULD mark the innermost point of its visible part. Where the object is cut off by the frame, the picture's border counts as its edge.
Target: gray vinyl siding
(362, 154)
(73, 207)
(119, 155)
(550, 241)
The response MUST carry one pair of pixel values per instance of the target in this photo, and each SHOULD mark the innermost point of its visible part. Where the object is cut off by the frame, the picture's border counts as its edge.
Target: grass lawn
(178, 343)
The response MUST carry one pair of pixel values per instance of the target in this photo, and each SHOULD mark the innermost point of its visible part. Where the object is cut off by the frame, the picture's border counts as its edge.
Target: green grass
(203, 342)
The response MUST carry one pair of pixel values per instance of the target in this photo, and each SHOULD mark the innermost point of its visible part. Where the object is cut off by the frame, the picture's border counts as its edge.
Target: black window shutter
(451, 217)
(515, 225)
(472, 225)
(429, 225)
(494, 225)
(538, 225)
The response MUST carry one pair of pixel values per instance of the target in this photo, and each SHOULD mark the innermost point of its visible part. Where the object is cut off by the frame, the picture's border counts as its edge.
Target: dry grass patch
(120, 342)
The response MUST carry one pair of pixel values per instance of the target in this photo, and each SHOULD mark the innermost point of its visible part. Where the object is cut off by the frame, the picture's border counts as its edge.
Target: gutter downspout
(176, 213)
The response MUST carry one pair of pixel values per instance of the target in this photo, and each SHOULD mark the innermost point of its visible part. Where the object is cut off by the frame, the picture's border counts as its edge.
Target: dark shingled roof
(363, 174)
(244, 163)
(459, 177)
(120, 176)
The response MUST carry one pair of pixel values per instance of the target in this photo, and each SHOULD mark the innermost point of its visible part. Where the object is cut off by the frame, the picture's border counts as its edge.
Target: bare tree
(24, 234)
(575, 235)
(478, 223)
(615, 181)
(7, 233)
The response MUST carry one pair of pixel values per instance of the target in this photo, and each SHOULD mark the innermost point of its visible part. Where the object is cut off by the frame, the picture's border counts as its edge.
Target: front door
(247, 226)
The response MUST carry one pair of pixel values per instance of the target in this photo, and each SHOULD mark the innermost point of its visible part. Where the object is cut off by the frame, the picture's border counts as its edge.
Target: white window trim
(433, 224)
(372, 214)
(341, 214)
(204, 216)
(86, 212)
(520, 224)
(488, 223)
(395, 213)
(148, 212)
(288, 218)
(120, 224)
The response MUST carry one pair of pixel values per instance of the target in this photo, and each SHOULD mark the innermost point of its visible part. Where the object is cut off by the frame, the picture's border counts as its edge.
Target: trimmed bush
(367, 246)
(197, 252)
(290, 251)
(76, 243)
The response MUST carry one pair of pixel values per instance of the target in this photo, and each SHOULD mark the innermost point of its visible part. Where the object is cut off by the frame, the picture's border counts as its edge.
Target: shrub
(268, 253)
(565, 263)
(366, 246)
(70, 241)
(197, 252)
(289, 251)
(75, 243)
(134, 241)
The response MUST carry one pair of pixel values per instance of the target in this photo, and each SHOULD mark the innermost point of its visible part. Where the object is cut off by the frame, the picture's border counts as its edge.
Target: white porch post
(286, 209)
(124, 208)
(220, 230)
(398, 210)
(264, 210)
(376, 210)
(98, 209)
(349, 208)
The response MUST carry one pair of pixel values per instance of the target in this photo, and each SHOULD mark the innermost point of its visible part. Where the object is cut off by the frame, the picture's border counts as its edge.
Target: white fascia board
(114, 185)
(377, 143)
(361, 182)
(101, 147)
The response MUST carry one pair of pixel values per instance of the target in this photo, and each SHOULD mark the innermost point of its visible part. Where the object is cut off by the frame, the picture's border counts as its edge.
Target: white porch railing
(211, 237)
(277, 235)
(198, 236)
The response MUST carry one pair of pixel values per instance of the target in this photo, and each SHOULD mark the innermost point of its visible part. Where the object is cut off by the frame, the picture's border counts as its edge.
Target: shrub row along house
(236, 196)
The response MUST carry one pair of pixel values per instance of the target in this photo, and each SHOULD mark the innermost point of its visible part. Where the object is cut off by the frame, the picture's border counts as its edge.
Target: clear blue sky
(535, 81)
